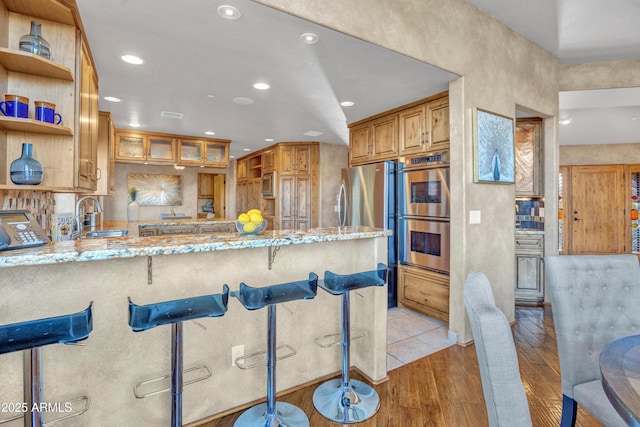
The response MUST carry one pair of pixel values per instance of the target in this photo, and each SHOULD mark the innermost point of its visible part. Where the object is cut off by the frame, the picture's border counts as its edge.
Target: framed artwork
(156, 189)
(493, 148)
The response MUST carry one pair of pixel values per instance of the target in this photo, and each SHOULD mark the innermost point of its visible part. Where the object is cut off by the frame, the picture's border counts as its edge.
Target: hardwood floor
(444, 389)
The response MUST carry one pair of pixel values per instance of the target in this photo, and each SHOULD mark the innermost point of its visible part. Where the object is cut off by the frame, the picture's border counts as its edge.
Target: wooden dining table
(620, 368)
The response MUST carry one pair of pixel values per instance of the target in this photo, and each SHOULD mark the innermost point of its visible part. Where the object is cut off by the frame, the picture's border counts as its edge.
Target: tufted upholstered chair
(504, 395)
(594, 299)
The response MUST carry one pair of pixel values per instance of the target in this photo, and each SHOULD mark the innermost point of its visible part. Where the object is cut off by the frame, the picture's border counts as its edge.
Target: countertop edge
(123, 247)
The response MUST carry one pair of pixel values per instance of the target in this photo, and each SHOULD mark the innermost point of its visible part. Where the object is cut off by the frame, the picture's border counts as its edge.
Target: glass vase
(26, 170)
(34, 42)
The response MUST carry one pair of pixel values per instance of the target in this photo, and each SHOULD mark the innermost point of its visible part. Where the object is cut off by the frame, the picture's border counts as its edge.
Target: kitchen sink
(106, 233)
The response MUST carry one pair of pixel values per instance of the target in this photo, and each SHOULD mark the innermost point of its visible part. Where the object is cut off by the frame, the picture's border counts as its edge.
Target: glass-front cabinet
(203, 152)
(139, 147)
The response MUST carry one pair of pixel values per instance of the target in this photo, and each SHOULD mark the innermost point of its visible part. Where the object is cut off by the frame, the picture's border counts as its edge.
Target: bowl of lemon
(251, 222)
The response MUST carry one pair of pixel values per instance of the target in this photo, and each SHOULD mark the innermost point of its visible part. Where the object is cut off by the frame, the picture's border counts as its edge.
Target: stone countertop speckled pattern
(130, 247)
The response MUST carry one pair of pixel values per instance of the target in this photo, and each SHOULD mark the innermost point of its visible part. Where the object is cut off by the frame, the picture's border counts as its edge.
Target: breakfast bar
(123, 372)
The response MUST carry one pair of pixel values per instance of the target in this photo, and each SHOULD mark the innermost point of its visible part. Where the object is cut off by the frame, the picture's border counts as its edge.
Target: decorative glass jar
(26, 170)
(34, 42)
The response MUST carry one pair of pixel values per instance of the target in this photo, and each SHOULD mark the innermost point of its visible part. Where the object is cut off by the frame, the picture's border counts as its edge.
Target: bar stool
(144, 317)
(345, 400)
(31, 336)
(267, 414)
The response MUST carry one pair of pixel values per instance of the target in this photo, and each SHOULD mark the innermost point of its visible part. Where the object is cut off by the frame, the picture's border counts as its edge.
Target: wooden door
(411, 130)
(287, 160)
(303, 159)
(597, 210)
(219, 195)
(384, 137)
(359, 137)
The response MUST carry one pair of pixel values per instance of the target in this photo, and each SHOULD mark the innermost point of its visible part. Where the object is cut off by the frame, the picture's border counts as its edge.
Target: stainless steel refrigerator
(367, 196)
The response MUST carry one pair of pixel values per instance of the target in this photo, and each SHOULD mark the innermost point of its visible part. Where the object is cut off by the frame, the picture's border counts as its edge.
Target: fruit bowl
(250, 228)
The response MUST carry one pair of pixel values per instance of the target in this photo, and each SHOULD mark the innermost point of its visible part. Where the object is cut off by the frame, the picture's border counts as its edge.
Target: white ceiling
(190, 52)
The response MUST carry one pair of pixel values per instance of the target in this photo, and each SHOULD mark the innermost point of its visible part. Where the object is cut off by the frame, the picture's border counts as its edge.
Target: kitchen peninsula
(64, 277)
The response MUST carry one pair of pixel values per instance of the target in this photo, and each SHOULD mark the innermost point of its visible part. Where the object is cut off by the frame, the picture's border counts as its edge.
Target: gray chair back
(504, 394)
(594, 299)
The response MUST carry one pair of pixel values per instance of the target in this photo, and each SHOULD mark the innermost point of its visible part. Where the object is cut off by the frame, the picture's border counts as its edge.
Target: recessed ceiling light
(134, 125)
(112, 99)
(209, 133)
(268, 139)
(309, 38)
(229, 12)
(347, 103)
(566, 121)
(633, 118)
(243, 101)
(178, 167)
(132, 59)
(313, 133)
(210, 95)
(261, 86)
(246, 149)
(231, 156)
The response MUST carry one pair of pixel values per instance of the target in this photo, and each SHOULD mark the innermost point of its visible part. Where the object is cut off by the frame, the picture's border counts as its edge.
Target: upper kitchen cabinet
(424, 127)
(144, 147)
(106, 185)
(269, 160)
(210, 153)
(294, 158)
(409, 129)
(68, 80)
(528, 157)
(373, 140)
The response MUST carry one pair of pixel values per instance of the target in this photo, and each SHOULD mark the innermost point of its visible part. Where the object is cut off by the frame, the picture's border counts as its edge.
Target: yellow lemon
(249, 227)
(253, 211)
(255, 217)
(244, 218)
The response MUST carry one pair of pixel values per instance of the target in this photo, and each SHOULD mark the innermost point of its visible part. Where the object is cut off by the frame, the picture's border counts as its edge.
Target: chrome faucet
(79, 215)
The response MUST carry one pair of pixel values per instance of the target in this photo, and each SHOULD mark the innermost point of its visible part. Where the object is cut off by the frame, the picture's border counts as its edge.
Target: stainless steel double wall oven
(423, 224)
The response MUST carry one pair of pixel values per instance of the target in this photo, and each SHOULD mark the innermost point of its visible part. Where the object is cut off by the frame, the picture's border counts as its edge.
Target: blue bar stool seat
(345, 400)
(143, 317)
(272, 414)
(31, 336)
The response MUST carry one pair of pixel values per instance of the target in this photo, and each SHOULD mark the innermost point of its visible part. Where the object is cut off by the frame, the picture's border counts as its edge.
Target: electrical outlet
(237, 351)
(335, 208)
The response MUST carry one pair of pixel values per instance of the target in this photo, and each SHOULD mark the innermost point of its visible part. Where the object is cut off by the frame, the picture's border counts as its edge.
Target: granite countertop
(130, 246)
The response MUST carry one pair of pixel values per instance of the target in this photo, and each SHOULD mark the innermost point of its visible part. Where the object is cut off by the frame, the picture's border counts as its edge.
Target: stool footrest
(283, 351)
(331, 340)
(63, 406)
(138, 389)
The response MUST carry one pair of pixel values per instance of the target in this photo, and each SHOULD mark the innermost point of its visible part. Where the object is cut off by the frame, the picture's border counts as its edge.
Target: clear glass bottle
(34, 42)
(26, 170)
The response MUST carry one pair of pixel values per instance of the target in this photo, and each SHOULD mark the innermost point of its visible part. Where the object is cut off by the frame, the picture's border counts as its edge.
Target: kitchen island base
(114, 360)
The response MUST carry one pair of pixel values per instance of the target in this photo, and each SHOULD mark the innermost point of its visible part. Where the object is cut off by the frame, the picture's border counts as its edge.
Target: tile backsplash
(38, 203)
(530, 214)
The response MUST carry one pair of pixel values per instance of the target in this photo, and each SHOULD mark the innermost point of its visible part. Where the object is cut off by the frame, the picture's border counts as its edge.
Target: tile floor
(411, 336)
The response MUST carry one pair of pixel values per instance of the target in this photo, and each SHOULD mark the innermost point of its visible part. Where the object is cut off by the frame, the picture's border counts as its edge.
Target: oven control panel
(438, 158)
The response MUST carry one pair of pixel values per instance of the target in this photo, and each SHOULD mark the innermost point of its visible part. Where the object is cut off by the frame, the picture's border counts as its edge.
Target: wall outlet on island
(237, 351)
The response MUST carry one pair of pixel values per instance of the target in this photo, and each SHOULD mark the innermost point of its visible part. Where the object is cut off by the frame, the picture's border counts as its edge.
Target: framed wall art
(493, 148)
(156, 189)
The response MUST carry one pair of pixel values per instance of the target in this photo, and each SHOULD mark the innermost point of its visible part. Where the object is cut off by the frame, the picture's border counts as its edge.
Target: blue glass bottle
(26, 170)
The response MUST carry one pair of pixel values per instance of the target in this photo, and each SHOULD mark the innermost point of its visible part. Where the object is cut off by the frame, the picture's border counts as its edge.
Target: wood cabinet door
(161, 149)
(241, 197)
(597, 206)
(269, 161)
(287, 202)
(205, 184)
(253, 200)
(302, 202)
(129, 147)
(242, 169)
(216, 154)
(189, 151)
(219, 195)
(384, 137)
(438, 128)
(302, 159)
(287, 160)
(359, 141)
(87, 141)
(411, 130)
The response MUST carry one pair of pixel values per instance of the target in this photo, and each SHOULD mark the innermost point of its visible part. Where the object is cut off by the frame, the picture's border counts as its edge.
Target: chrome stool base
(346, 405)
(287, 415)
